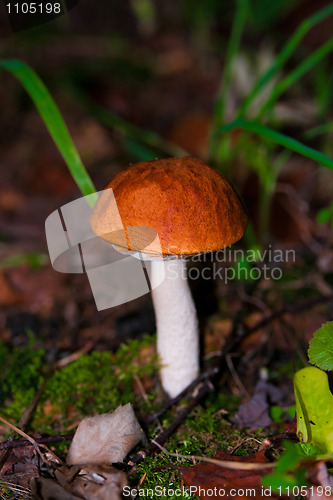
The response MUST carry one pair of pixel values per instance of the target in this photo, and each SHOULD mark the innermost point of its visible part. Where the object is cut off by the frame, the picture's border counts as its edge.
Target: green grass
(278, 138)
(283, 57)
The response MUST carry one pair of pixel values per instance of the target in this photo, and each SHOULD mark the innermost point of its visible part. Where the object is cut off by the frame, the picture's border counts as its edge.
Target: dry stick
(297, 308)
(203, 391)
(33, 442)
(226, 464)
(20, 443)
(214, 370)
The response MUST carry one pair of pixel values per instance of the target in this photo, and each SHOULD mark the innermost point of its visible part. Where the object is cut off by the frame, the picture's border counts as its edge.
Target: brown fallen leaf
(210, 481)
(20, 467)
(105, 439)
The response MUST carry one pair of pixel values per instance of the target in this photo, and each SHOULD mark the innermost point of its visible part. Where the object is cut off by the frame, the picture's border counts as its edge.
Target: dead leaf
(216, 481)
(105, 439)
(20, 466)
(255, 413)
(10, 199)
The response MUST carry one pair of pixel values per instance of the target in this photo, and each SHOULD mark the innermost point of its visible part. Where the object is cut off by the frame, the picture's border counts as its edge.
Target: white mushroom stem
(177, 325)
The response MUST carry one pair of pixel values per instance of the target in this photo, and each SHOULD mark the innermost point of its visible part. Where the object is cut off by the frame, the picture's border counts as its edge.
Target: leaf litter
(98, 442)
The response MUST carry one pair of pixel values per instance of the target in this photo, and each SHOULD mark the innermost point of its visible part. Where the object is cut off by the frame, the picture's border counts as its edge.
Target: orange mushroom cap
(193, 208)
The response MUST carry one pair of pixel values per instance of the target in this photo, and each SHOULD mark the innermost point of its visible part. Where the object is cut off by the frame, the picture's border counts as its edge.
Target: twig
(73, 357)
(284, 436)
(236, 377)
(25, 418)
(203, 391)
(21, 443)
(207, 374)
(34, 443)
(295, 309)
(227, 464)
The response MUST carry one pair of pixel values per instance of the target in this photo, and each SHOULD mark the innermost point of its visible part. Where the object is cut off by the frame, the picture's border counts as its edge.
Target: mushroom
(194, 210)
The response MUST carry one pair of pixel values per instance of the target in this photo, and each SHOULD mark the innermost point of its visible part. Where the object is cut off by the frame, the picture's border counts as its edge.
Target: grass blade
(318, 130)
(278, 138)
(232, 50)
(295, 75)
(283, 57)
(53, 121)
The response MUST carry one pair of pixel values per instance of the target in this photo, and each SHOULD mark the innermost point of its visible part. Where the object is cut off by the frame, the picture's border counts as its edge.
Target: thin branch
(34, 443)
(227, 464)
(203, 391)
(21, 443)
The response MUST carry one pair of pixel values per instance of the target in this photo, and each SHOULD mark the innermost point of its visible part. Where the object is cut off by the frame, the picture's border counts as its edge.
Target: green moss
(94, 383)
(20, 377)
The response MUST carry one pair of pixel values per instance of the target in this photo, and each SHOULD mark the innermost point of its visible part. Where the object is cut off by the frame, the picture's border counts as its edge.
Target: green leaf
(324, 215)
(308, 450)
(53, 121)
(321, 347)
(282, 478)
(279, 482)
(295, 75)
(314, 408)
(291, 411)
(289, 459)
(276, 413)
